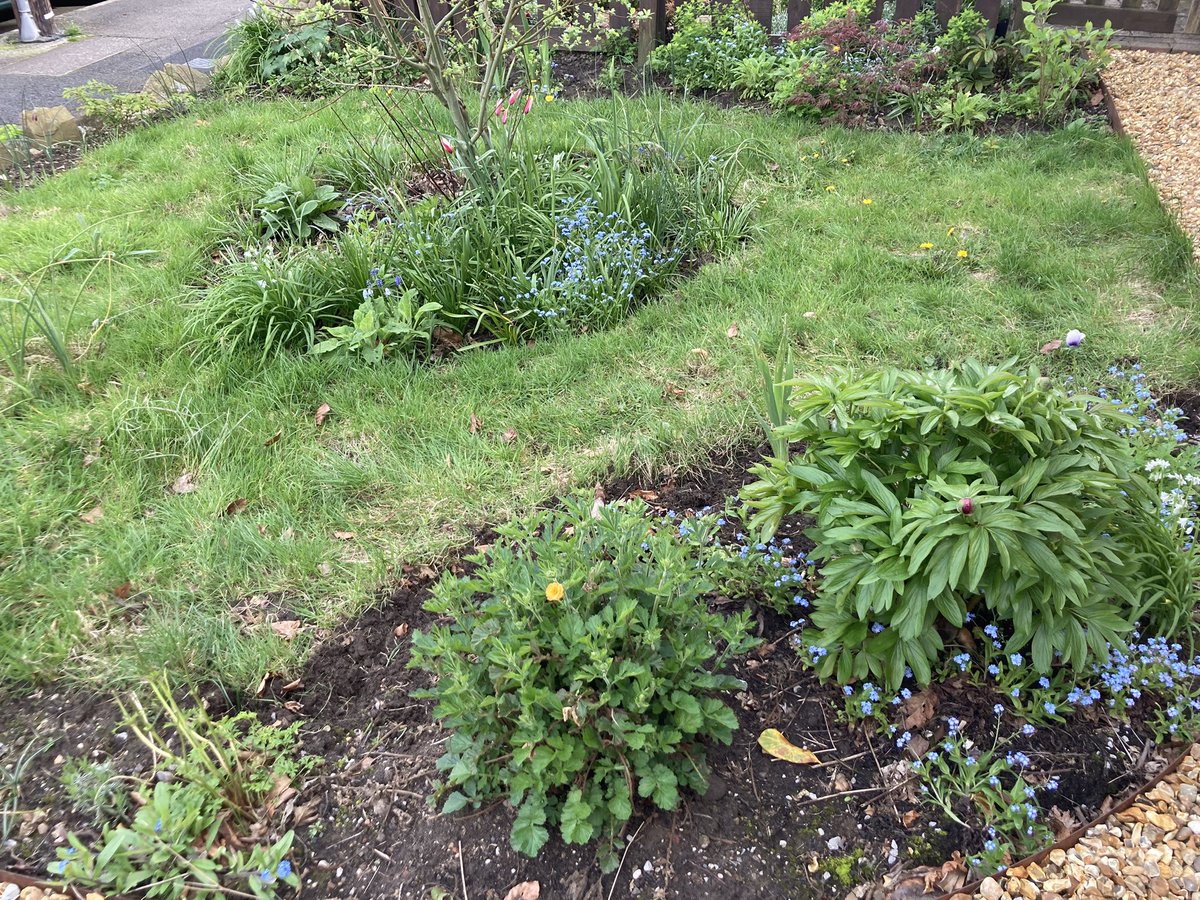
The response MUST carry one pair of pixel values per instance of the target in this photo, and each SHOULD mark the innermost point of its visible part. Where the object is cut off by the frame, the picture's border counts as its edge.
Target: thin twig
(617, 874)
(462, 871)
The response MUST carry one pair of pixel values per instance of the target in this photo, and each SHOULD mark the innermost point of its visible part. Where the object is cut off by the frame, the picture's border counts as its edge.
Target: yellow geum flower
(868, 201)
(549, 98)
(962, 254)
(927, 246)
(554, 592)
(831, 188)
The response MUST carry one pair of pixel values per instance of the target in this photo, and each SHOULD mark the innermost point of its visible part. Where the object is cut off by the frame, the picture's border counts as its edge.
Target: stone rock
(990, 889)
(10, 891)
(48, 125)
(175, 79)
(32, 893)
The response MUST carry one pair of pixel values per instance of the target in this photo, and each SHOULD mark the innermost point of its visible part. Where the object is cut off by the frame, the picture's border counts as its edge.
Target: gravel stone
(1157, 96)
(1130, 854)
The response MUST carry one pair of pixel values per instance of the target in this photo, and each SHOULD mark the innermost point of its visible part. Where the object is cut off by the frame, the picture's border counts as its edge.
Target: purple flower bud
(1074, 338)
(966, 505)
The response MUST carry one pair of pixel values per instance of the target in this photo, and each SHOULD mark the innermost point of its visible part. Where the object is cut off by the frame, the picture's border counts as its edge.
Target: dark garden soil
(765, 829)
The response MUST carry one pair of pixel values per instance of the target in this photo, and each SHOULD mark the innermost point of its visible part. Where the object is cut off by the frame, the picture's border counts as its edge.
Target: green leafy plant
(619, 47)
(939, 493)
(576, 668)
(229, 775)
(383, 326)
(118, 111)
(298, 208)
(1057, 64)
(12, 773)
(708, 43)
(96, 790)
(964, 111)
(756, 76)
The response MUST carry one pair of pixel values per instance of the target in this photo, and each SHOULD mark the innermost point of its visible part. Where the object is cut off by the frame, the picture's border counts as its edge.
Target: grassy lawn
(1061, 231)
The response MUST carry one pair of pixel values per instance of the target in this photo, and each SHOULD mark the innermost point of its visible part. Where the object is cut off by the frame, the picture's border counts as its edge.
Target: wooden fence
(1129, 17)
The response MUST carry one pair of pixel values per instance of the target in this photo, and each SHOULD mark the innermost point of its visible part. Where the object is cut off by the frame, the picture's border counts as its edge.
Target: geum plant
(982, 490)
(577, 669)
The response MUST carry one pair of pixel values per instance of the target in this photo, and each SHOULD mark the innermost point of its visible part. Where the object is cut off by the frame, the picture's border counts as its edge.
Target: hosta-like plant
(577, 668)
(983, 490)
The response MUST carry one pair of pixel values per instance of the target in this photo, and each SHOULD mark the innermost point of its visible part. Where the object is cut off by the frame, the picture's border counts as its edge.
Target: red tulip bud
(966, 505)
(446, 145)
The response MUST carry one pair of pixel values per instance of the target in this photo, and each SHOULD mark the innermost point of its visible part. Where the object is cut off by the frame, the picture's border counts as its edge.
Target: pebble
(1143, 851)
(1155, 96)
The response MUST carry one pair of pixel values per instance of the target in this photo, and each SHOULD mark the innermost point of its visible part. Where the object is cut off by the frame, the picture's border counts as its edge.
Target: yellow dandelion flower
(950, 231)
(816, 156)
(868, 201)
(554, 592)
(927, 246)
(845, 162)
(549, 98)
(831, 188)
(822, 142)
(962, 254)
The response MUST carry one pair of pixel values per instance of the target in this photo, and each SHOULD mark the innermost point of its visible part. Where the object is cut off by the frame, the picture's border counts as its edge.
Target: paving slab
(124, 41)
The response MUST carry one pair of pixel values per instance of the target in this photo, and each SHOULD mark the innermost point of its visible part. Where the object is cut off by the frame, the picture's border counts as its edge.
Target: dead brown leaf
(919, 709)
(526, 890)
(287, 629)
(291, 686)
(273, 439)
(732, 331)
(911, 818)
(235, 507)
(322, 414)
(475, 425)
(672, 390)
(93, 515)
(1063, 822)
(123, 591)
(344, 535)
(184, 484)
(1051, 346)
(400, 630)
(648, 496)
(509, 436)
(88, 459)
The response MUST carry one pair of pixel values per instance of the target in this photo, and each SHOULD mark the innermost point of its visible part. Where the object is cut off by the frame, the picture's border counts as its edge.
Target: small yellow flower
(816, 156)
(845, 162)
(831, 188)
(549, 98)
(822, 141)
(837, 48)
(927, 246)
(962, 254)
(554, 592)
(868, 201)
(950, 231)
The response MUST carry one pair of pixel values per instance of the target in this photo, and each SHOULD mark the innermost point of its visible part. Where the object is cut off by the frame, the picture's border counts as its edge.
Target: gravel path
(1152, 849)
(1157, 96)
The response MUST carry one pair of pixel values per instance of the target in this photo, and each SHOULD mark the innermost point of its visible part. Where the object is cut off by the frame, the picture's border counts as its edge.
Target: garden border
(969, 890)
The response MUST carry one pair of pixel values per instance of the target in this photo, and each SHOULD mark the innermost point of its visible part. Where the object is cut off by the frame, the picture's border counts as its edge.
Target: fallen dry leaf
(287, 629)
(649, 496)
(323, 412)
(911, 818)
(810, 315)
(93, 515)
(732, 331)
(526, 890)
(1051, 346)
(88, 459)
(344, 535)
(235, 507)
(184, 484)
(919, 709)
(1063, 822)
(123, 592)
(273, 439)
(287, 534)
(509, 436)
(400, 630)
(325, 569)
(672, 390)
(775, 744)
(475, 425)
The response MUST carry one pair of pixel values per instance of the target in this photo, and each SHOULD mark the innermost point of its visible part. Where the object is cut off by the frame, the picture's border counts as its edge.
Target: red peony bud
(967, 505)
